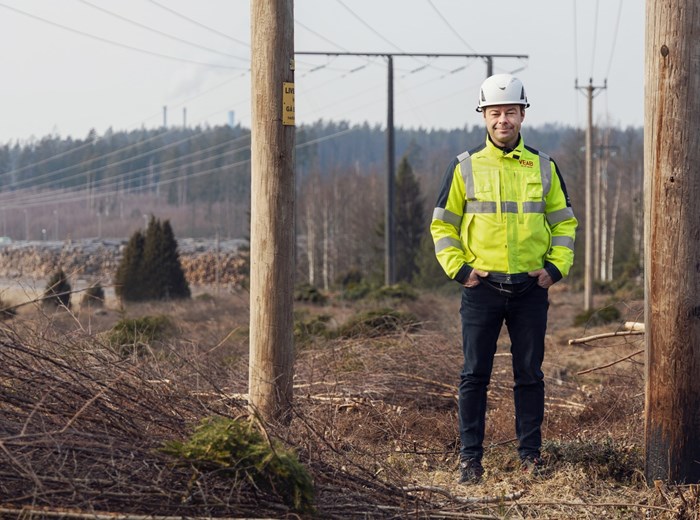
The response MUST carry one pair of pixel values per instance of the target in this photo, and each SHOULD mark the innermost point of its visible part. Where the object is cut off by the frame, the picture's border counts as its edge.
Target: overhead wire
(97, 139)
(47, 175)
(595, 36)
(116, 43)
(450, 27)
(459, 91)
(79, 195)
(612, 51)
(157, 135)
(363, 22)
(575, 33)
(199, 24)
(85, 163)
(161, 33)
(318, 35)
(575, 41)
(116, 182)
(345, 73)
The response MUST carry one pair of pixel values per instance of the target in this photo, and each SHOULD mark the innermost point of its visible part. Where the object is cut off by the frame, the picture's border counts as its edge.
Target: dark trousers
(483, 311)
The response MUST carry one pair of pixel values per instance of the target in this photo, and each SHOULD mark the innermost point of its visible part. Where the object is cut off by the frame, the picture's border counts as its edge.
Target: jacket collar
(516, 152)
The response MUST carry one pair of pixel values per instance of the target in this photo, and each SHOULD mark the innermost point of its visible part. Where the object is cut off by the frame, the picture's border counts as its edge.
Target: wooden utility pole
(272, 209)
(672, 241)
(588, 253)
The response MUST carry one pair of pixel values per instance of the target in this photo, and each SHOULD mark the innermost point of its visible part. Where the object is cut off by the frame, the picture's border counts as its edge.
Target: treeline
(199, 179)
(212, 164)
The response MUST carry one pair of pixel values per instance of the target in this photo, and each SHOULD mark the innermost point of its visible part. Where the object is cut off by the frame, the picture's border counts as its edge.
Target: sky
(70, 66)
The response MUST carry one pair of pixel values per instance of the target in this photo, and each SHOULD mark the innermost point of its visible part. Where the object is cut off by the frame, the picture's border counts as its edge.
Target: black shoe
(532, 466)
(471, 471)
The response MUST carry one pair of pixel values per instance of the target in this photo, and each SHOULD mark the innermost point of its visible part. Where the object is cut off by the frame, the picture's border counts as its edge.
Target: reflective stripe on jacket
(505, 212)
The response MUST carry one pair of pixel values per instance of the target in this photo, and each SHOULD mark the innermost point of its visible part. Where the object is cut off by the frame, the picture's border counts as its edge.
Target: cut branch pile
(82, 430)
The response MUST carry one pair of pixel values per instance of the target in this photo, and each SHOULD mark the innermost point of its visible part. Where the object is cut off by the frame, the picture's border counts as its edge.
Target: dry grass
(374, 419)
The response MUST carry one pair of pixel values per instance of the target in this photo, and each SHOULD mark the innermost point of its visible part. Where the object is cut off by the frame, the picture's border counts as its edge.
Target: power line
(116, 182)
(116, 163)
(161, 33)
(309, 29)
(100, 138)
(617, 27)
(449, 25)
(115, 43)
(595, 35)
(575, 32)
(199, 24)
(377, 33)
(88, 161)
(575, 41)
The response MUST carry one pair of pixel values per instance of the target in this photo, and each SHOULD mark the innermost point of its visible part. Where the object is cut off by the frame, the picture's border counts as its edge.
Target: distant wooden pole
(588, 250)
(672, 241)
(588, 196)
(272, 209)
(389, 216)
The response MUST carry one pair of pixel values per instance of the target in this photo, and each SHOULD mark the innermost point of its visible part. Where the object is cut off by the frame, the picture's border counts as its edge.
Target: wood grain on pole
(272, 211)
(672, 240)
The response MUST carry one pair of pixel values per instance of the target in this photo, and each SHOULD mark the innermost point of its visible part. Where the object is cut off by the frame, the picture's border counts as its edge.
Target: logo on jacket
(526, 164)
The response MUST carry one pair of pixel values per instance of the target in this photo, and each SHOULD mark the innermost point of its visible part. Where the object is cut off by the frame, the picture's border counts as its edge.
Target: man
(503, 227)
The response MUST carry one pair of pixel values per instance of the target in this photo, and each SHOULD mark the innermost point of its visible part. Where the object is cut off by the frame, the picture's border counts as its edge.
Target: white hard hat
(502, 89)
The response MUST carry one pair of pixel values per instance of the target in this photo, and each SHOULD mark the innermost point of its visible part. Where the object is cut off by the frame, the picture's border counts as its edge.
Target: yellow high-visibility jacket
(503, 211)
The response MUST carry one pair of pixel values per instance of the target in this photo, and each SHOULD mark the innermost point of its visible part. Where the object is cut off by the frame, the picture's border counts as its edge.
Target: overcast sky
(69, 66)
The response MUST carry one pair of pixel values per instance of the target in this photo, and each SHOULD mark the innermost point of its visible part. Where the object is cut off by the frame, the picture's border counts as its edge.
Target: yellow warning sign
(288, 104)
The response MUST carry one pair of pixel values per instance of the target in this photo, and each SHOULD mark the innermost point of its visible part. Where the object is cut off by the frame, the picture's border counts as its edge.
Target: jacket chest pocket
(533, 191)
(486, 185)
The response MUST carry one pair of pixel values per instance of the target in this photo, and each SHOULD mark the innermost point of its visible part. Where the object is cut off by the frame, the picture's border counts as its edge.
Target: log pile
(99, 259)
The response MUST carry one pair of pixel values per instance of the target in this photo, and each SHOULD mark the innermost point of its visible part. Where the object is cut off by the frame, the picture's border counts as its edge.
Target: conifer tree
(410, 221)
(175, 285)
(150, 268)
(128, 280)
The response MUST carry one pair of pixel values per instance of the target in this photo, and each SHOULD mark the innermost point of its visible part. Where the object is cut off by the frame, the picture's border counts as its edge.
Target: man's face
(503, 124)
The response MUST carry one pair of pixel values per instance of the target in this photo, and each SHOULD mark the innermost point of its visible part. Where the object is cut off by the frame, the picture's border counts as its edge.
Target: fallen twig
(25, 511)
(599, 504)
(465, 500)
(577, 341)
(581, 372)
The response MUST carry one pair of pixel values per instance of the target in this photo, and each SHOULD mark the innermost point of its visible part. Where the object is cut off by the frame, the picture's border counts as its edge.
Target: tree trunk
(272, 210)
(311, 236)
(613, 225)
(672, 240)
(326, 261)
(597, 209)
(603, 210)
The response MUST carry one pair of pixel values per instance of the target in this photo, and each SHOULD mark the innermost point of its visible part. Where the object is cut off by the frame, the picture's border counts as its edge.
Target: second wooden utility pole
(588, 253)
(272, 209)
(672, 241)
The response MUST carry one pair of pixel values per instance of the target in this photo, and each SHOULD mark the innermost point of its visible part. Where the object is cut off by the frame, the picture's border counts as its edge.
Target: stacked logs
(203, 262)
